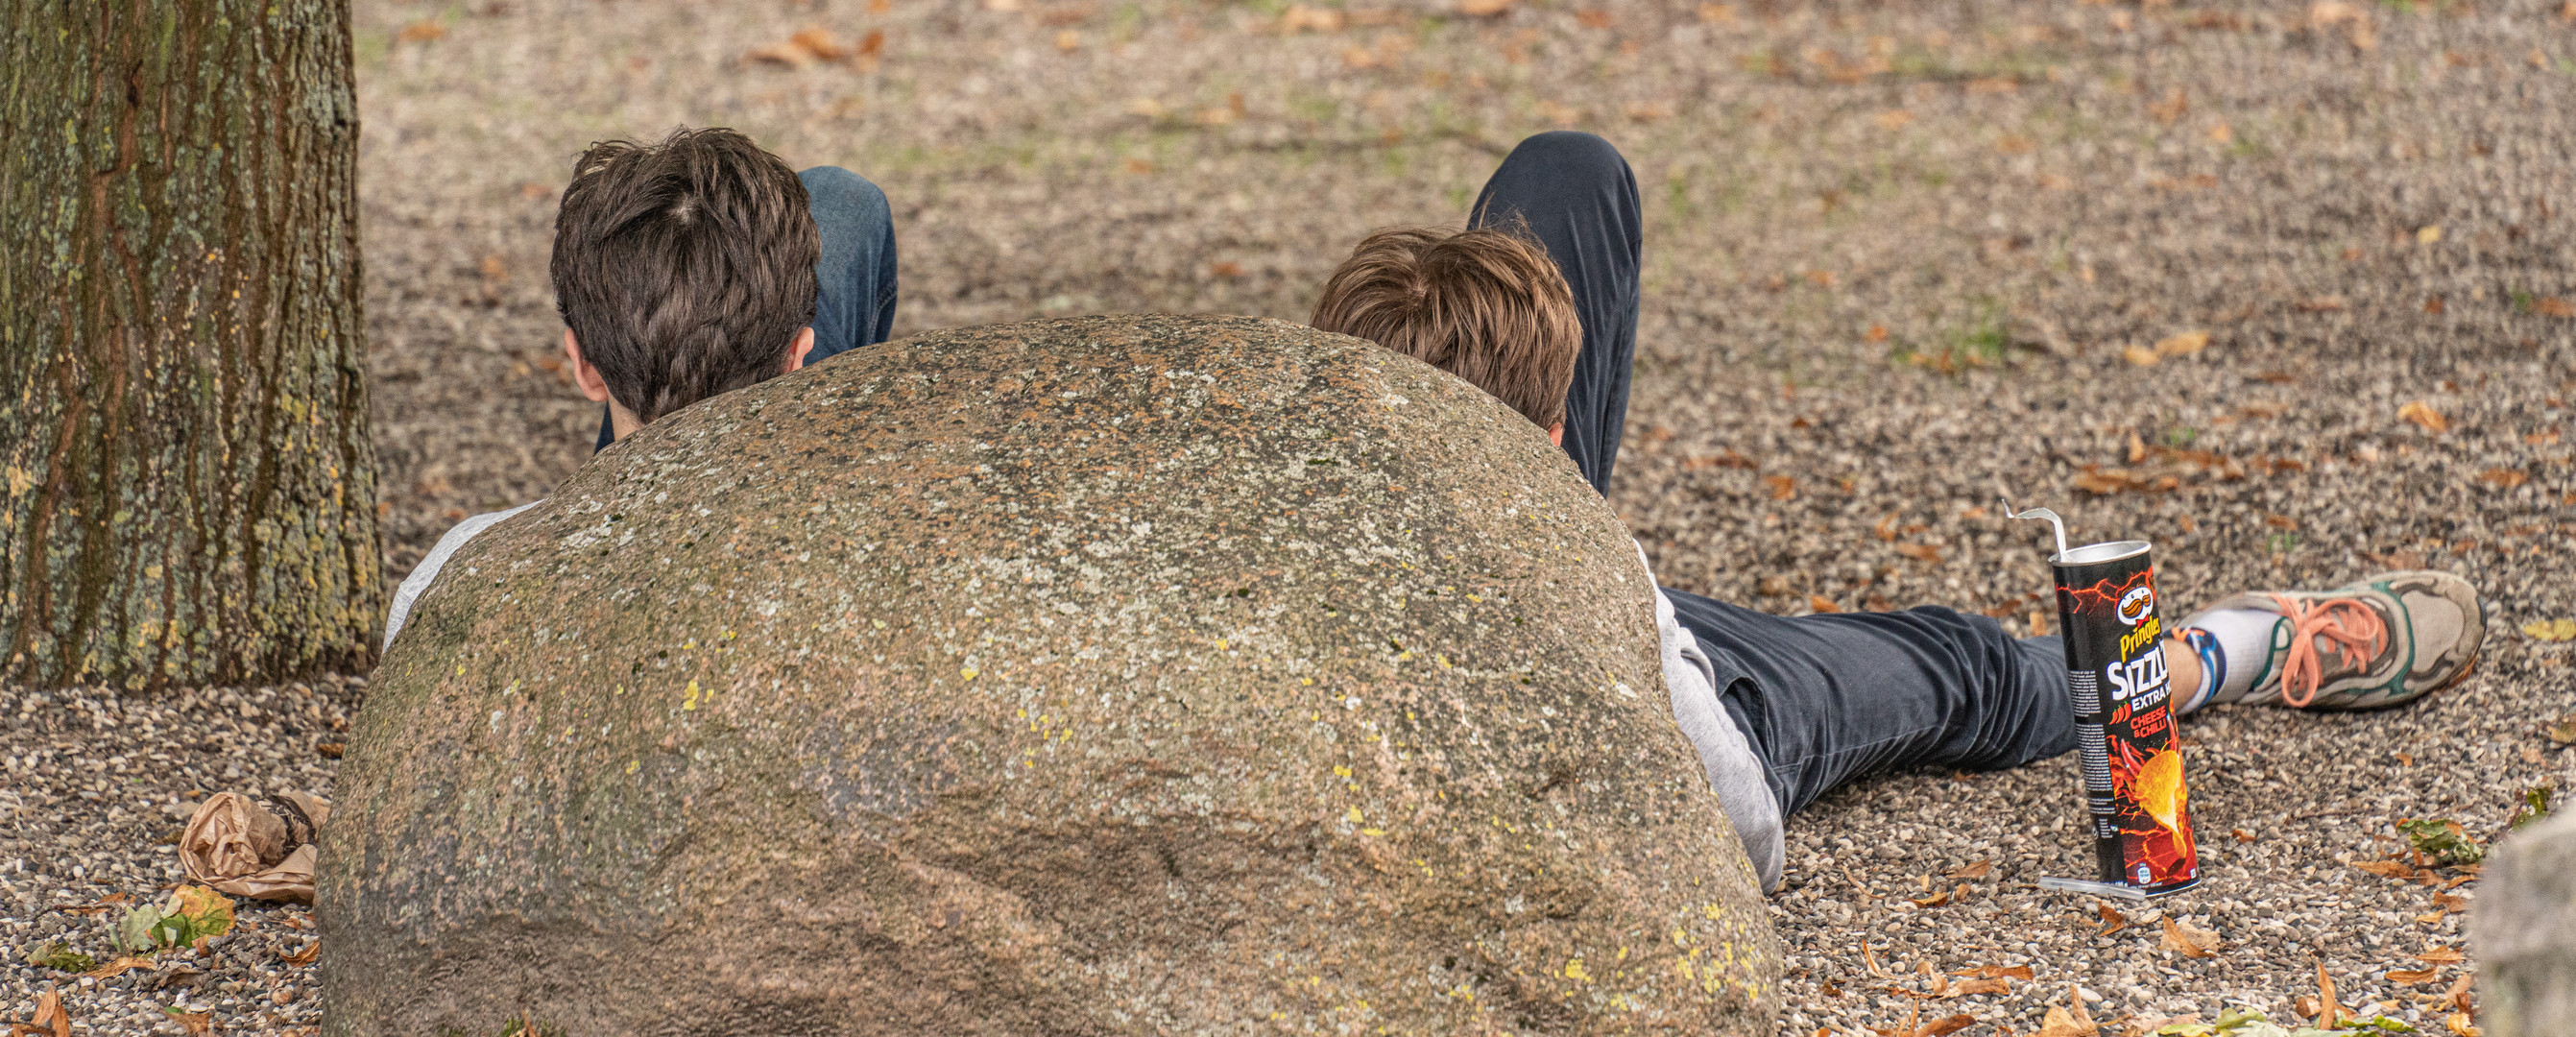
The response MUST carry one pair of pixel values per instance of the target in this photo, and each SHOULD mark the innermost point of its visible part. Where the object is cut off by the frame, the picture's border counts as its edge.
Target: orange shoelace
(2347, 623)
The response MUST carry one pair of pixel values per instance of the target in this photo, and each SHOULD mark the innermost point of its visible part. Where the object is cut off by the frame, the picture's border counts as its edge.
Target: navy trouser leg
(1579, 198)
(1832, 697)
(854, 282)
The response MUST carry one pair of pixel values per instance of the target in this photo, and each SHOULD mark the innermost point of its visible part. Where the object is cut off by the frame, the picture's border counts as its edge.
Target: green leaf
(134, 933)
(2534, 805)
(2442, 841)
(61, 957)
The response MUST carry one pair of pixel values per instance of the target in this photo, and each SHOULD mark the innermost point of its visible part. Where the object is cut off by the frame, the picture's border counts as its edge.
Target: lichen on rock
(1103, 675)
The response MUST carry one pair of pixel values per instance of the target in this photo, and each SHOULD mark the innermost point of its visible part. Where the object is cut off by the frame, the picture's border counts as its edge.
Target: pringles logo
(2136, 606)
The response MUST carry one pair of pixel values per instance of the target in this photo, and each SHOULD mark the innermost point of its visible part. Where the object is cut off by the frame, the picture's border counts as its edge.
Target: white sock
(2235, 650)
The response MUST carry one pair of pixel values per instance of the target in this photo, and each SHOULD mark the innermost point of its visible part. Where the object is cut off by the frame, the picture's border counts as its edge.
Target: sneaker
(2391, 638)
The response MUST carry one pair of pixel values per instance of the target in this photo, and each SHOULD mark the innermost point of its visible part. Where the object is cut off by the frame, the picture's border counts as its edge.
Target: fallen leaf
(2442, 956)
(2020, 972)
(2460, 1026)
(1228, 269)
(2141, 356)
(1301, 17)
(303, 957)
(2413, 976)
(2184, 344)
(2070, 1021)
(2553, 306)
(1997, 985)
(2428, 234)
(2504, 478)
(2387, 869)
(2423, 414)
(1870, 958)
(2186, 942)
(2320, 304)
(50, 1018)
(1821, 603)
(1935, 900)
(193, 1022)
(1920, 552)
(119, 967)
(1973, 871)
(1953, 1024)
(1483, 8)
(2555, 630)
(1782, 487)
(2112, 920)
(2242, 835)
(2458, 995)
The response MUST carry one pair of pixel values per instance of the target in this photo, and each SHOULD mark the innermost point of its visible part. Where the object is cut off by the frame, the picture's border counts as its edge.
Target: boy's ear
(593, 387)
(1554, 435)
(804, 344)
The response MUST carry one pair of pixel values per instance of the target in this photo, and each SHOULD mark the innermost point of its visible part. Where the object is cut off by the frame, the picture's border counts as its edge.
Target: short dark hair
(1487, 305)
(684, 268)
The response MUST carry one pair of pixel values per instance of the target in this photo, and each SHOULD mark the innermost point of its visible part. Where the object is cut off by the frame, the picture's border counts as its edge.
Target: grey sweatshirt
(1733, 771)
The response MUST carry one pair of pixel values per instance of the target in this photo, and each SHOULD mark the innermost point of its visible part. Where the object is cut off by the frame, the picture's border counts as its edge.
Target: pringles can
(2124, 713)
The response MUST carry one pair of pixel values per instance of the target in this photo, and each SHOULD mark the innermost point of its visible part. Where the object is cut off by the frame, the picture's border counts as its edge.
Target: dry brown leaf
(2184, 344)
(1228, 269)
(2423, 414)
(2186, 942)
(1920, 552)
(2413, 975)
(2141, 355)
(193, 1022)
(2442, 956)
(1973, 871)
(2112, 920)
(1935, 900)
(2458, 994)
(50, 1021)
(2504, 478)
(2553, 306)
(1821, 603)
(1870, 958)
(1953, 1024)
(303, 957)
(1997, 985)
(2460, 1026)
(2387, 869)
(1483, 8)
(120, 967)
(2070, 1021)
(1782, 487)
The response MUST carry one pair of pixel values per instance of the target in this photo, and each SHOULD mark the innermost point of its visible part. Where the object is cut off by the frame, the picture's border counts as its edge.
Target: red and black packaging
(2124, 717)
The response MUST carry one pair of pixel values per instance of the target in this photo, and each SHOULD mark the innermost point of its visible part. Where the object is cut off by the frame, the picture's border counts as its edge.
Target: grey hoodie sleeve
(1733, 771)
(422, 575)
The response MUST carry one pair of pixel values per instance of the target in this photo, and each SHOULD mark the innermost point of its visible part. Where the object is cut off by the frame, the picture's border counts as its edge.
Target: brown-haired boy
(1784, 709)
(694, 266)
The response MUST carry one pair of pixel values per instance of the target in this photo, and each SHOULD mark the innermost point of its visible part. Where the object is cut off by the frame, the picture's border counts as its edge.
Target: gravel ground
(1898, 261)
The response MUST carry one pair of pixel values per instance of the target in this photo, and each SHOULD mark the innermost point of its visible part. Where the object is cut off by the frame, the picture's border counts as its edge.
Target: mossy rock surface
(1113, 675)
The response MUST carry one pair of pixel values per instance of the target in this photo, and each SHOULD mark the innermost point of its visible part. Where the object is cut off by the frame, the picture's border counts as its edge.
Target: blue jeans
(854, 282)
(1823, 699)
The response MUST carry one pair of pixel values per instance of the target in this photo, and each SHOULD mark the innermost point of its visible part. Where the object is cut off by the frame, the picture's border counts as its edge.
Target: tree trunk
(183, 436)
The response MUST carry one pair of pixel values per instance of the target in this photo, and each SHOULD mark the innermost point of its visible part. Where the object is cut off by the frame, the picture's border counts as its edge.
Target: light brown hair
(1487, 305)
(685, 268)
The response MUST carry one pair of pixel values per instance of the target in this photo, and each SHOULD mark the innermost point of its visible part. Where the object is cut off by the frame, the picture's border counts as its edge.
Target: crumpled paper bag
(241, 848)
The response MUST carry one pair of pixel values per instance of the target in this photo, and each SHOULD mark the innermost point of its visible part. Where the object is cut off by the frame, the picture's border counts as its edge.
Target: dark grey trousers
(1825, 698)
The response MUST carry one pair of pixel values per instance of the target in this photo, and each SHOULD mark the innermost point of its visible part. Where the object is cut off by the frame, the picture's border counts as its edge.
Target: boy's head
(1486, 305)
(683, 269)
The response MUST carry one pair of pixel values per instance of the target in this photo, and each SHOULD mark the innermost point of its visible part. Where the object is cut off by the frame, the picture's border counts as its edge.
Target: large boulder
(2524, 932)
(1118, 675)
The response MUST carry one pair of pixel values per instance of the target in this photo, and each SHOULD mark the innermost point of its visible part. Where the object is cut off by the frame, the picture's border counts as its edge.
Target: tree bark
(190, 489)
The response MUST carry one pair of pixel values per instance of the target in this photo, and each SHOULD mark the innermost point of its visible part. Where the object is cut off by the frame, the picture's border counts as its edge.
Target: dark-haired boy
(694, 266)
(1784, 709)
